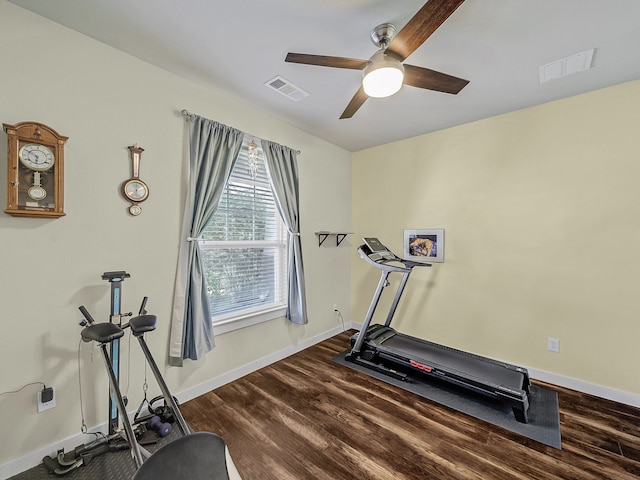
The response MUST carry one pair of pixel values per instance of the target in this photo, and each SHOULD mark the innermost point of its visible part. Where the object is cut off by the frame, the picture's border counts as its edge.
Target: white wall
(104, 101)
(540, 211)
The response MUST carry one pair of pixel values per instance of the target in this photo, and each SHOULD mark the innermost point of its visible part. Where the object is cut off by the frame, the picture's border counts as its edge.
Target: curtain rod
(185, 113)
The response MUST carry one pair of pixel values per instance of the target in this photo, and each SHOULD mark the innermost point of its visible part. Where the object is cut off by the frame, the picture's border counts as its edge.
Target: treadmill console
(374, 252)
(377, 251)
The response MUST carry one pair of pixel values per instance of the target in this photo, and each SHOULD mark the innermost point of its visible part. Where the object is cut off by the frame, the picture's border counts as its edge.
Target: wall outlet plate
(43, 406)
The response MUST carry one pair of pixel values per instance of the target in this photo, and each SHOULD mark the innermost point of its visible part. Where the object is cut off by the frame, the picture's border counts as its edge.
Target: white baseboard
(35, 458)
(601, 391)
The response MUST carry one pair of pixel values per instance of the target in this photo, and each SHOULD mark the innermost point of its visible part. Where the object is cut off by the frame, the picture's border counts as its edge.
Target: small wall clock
(35, 170)
(134, 189)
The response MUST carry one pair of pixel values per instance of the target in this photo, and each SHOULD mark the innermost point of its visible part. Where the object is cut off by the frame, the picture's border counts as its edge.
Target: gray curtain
(213, 150)
(283, 170)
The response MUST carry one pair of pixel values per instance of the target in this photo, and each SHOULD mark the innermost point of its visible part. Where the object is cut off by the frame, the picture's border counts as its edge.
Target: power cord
(44, 387)
(45, 396)
(126, 390)
(83, 426)
(340, 316)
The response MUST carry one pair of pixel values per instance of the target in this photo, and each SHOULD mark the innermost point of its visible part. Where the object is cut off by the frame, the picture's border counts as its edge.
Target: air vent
(566, 66)
(286, 88)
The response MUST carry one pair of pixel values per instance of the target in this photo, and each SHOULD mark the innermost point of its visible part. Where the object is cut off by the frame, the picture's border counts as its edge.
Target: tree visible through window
(244, 246)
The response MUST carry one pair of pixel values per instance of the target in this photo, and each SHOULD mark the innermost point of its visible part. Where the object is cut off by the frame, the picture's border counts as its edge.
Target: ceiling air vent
(286, 88)
(566, 66)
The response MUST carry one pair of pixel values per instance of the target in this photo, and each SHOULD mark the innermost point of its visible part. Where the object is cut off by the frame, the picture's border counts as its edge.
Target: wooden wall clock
(35, 170)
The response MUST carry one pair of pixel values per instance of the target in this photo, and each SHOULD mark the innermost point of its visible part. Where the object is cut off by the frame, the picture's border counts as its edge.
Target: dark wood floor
(306, 417)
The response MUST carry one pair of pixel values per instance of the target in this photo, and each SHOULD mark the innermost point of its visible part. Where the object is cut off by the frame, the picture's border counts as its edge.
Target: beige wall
(540, 211)
(104, 100)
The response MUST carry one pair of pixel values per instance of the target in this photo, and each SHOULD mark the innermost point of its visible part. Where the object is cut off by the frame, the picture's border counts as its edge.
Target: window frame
(226, 322)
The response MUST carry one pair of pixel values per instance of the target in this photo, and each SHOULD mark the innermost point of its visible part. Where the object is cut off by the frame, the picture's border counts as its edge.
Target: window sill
(246, 319)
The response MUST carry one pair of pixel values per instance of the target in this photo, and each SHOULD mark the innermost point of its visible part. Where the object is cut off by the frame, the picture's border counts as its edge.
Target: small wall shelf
(324, 234)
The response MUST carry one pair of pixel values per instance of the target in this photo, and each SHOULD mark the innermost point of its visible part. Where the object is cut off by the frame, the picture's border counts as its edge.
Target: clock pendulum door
(36, 192)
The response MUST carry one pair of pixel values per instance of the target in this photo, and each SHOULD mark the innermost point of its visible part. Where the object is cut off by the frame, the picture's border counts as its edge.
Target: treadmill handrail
(387, 265)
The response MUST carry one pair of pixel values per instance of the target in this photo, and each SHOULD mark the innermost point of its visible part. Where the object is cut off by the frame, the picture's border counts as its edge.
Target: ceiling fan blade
(356, 102)
(326, 61)
(430, 79)
(421, 26)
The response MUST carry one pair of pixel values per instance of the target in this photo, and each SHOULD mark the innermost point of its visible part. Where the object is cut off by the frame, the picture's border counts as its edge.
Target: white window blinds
(244, 246)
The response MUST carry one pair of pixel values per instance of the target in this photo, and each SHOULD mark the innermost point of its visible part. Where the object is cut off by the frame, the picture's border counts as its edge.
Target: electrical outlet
(553, 345)
(42, 406)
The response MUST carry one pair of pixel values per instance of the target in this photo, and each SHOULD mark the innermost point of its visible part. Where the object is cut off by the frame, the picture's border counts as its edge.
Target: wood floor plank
(307, 417)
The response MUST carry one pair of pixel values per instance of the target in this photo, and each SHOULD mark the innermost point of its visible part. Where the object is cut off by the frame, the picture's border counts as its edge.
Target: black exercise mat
(544, 416)
(110, 466)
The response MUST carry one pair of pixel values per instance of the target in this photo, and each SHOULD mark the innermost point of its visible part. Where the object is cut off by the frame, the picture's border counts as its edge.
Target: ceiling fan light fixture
(383, 76)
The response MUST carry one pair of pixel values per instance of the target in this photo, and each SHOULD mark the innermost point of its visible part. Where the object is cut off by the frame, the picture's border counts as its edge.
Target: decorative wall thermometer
(134, 189)
(35, 170)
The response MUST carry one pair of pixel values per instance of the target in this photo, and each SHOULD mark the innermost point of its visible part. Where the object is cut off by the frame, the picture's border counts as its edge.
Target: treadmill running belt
(465, 363)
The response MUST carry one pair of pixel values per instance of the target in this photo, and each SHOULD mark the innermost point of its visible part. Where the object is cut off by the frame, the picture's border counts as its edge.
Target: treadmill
(383, 349)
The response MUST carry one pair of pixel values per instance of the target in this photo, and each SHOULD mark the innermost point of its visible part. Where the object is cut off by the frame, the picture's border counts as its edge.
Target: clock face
(36, 157)
(135, 190)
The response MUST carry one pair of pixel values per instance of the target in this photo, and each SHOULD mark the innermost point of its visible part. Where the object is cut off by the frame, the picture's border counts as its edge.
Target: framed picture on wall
(424, 245)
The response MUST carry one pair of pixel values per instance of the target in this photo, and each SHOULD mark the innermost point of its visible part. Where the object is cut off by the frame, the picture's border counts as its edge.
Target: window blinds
(244, 246)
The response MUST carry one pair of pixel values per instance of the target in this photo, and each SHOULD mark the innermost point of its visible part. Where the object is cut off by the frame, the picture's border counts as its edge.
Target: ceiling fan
(387, 64)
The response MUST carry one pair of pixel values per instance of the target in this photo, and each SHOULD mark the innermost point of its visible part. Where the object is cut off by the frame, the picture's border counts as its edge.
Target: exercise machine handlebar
(88, 318)
(143, 310)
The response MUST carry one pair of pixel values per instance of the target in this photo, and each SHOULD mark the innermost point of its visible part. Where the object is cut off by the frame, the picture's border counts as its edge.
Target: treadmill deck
(453, 360)
(499, 380)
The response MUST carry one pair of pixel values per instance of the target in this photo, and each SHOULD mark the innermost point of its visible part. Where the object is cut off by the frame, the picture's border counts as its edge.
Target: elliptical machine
(193, 456)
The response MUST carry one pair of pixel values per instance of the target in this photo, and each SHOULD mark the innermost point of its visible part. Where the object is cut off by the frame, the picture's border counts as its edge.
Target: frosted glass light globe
(383, 76)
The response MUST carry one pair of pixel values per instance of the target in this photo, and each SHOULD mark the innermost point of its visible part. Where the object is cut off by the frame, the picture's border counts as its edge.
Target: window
(244, 248)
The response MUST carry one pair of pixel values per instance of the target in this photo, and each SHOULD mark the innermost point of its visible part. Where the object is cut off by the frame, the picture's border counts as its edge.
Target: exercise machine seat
(197, 456)
(142, 324)
(101, 332)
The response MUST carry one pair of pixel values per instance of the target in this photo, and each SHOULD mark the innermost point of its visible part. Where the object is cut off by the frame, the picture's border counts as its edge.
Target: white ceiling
(238, 45)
